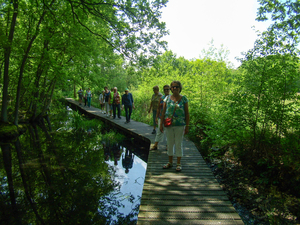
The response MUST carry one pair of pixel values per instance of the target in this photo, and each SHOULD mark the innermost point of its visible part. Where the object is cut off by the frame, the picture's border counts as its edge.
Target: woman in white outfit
(102, 101)
(160, 135)
(176, 107)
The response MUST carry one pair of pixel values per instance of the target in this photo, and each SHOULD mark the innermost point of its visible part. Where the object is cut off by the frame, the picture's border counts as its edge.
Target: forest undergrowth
(256, 202)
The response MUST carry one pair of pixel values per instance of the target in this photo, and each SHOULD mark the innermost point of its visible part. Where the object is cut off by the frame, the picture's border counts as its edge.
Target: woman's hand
(161, 127)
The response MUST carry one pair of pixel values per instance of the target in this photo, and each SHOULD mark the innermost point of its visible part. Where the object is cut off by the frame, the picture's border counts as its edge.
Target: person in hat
(127, 101)
(116, 103)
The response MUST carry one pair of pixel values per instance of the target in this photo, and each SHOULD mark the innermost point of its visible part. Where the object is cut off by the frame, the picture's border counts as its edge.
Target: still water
(129, 171)
(75, 171)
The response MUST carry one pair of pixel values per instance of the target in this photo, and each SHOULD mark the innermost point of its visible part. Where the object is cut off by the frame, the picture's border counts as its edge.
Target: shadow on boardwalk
(192, 196)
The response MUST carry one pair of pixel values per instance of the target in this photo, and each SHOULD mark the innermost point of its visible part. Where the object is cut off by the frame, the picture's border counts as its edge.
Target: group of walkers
(110, 102)
(170, 114)
(87, 97)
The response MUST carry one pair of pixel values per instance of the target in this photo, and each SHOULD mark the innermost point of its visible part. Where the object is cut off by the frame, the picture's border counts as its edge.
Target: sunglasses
(175, 87)
(166, 89)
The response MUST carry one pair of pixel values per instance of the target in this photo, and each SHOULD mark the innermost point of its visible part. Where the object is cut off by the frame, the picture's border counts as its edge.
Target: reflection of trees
(53, 178)
(50, 177)
(116, 200)
(112, 202)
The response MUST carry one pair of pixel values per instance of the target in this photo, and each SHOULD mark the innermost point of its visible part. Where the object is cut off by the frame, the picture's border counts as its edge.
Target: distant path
(192, 196)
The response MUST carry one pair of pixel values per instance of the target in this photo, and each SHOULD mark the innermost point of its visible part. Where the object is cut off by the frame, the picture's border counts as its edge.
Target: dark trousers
(89, 99)
(128, 111)
(117, 106)
(85, 101)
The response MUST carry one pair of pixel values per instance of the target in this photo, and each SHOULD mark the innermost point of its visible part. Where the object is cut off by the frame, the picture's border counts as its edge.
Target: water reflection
(127, 160)
(128, 167)
(70, 176)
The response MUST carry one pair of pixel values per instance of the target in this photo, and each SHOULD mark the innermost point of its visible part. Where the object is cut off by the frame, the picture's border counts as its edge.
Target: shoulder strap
(175, 105)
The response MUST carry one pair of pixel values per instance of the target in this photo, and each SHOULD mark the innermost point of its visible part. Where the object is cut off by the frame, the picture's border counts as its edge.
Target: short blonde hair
(156, 88)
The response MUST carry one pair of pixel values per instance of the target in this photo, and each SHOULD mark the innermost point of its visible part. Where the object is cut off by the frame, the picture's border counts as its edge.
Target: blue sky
(194, 23)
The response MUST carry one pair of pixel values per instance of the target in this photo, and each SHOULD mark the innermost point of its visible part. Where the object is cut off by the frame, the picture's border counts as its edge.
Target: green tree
(286, 17)
(46, 44)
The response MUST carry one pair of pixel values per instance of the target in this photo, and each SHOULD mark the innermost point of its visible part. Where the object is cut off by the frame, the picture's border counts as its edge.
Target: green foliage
(204, 82)
(251, 113)
(55, 47)
(284, 14)
(113, 137)
(215, 54)
(79, 122)
(61, 174)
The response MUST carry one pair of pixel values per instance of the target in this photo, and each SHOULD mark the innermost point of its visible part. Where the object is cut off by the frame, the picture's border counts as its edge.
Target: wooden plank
(163, 197)
(182, 186)
(191, 180)
(189, 215)
(173, 202)
(189, 209)
(163, 221)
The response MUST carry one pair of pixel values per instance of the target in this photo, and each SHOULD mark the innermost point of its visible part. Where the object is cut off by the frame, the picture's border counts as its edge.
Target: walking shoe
(154, 131)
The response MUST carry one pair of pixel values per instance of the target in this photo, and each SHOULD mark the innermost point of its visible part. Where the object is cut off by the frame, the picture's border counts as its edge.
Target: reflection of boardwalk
(192, 196)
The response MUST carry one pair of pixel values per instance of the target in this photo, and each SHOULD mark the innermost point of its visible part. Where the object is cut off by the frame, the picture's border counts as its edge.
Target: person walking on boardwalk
(85, 98)
(89, 97)
(154, 105)
(110, 102)
(80, 95)
(106, 99)
(160, 135)
(175, 107)
(127, 101)
(116, 103)
(102, 101)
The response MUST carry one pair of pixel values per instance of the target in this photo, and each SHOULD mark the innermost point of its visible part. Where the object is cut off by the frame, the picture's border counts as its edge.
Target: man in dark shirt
(127, 101)
(80, 93)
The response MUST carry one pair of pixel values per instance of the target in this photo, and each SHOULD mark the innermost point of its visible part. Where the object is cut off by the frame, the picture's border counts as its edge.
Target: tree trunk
(22, 67)
(7, 52)
(24, 60)
(47, 101)
(6, 153)
(26, 188)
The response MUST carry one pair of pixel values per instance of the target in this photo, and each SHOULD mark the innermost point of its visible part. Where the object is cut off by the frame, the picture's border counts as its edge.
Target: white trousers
(107, 107)
(175, 137)
(159, 135)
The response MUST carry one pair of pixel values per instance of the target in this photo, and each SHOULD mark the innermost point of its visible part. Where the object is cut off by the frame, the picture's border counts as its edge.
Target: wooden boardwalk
(192, 196)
